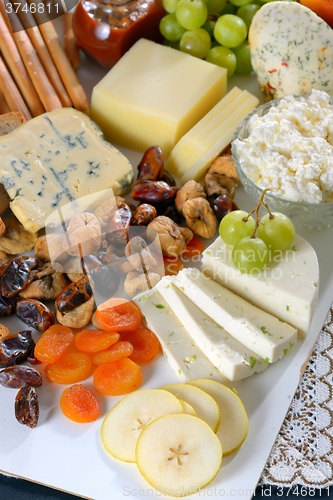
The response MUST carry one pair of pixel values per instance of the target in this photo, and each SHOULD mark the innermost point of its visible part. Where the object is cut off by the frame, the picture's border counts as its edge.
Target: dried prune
(34, 313)
(152, 165)
(152, 192)
(6, 307)
(171, 212)
(16, 348)
(27, 407)
(76, 293)
(143, 215)
(17, 276)
(16, 377)
(103, 273)
(223, 205)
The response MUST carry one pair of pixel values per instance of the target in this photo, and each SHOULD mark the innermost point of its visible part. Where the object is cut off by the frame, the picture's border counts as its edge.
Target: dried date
(17, 276)
(27, 407)
(16, 377)
(223, 205)
(16, 348)
(169, 179)
(151, 167)
(6, 308)
(143, 215)
(152, 192)
(75, 294)
(118, 225)
(34, 313)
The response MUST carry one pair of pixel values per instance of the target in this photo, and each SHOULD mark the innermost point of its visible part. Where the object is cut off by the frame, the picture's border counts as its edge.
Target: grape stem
(256, 211)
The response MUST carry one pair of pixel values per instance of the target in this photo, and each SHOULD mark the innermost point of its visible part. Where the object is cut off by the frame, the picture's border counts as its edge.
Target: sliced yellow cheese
(154, 95)
(219, 140)
(210, 134)
(188, 142)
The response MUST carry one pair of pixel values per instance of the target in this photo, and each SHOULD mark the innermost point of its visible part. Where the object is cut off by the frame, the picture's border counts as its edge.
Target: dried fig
(16, 239)
(200, 217)
(190, 190)
(139, 255)
(136, 283)
(83, 235)
(52, 242)
(47, 286)
(221, 178)
(78, 317)
(173, 238)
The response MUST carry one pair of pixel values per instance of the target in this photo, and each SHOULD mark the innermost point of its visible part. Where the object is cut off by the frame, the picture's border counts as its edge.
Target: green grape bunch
(214, 30)
(252, 240)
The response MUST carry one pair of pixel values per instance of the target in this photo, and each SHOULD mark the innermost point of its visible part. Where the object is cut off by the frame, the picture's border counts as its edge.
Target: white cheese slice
(233, 359)
(182, 354)
(55, 159)
(264, 334)
(291, 50)
(286, 288)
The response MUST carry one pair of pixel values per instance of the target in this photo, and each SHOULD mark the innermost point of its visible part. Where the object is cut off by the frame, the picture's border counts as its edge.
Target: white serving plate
(70, 457)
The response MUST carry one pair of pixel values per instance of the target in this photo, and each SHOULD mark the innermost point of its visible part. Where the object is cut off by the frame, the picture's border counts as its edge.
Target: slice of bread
(10, 121)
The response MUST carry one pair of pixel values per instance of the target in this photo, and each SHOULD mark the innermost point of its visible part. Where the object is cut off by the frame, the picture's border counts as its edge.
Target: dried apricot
(95, 340)
(118, 377)
(71, 368)
(193, 249)
(119, 315)
(79, 404)
(146, 345)
(121, 349)
(172, 265)
(53, 343)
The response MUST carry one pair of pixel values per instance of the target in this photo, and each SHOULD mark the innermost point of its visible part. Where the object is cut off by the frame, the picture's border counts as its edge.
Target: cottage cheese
(290, 149)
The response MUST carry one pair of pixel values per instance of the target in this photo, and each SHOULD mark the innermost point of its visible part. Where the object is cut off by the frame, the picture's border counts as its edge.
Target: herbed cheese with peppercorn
(291, 50)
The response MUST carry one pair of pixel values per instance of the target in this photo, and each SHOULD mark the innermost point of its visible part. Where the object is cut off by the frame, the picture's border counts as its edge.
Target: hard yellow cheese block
(154, 95)
(218, 140)
(189, 141)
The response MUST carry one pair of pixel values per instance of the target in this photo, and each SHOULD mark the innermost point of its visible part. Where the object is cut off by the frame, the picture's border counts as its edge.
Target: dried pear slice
(125, 421)
(178, 454)
(234, 422)
(204, 405)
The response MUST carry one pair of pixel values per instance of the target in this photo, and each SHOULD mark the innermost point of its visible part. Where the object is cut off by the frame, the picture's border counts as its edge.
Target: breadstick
(42, 84)
(4, 108)
(70, 45)
(15, 64)
(29, 23)
(58, 54)
(11, 92)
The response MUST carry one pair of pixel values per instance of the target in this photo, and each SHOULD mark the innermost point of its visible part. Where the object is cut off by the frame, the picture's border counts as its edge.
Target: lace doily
(303, 451)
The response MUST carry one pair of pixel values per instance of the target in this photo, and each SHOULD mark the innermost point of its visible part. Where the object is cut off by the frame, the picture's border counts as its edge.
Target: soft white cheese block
(182, 354)
(55, 159)
(233, 359)
(286, 288)
(264, 334)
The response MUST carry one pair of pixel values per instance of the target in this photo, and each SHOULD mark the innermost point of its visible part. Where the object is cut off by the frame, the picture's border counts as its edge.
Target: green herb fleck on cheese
(144, 297)
(264, 330)
(250, 362)
(234, 390)
(159, 306)
(182, 288)
(287, 308)
(266, 360)
(288, 351)
(165, 354)
(171, 334)
(179, 371)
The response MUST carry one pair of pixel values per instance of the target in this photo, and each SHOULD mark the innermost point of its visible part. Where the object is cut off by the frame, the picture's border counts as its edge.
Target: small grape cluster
(214, 30)
(251, 253)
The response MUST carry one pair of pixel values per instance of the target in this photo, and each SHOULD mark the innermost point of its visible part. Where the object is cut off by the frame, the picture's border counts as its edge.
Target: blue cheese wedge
(183, 355)
(286, 288)
(233, 359)
(264, 334)
(291, 50)
(55, 159)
